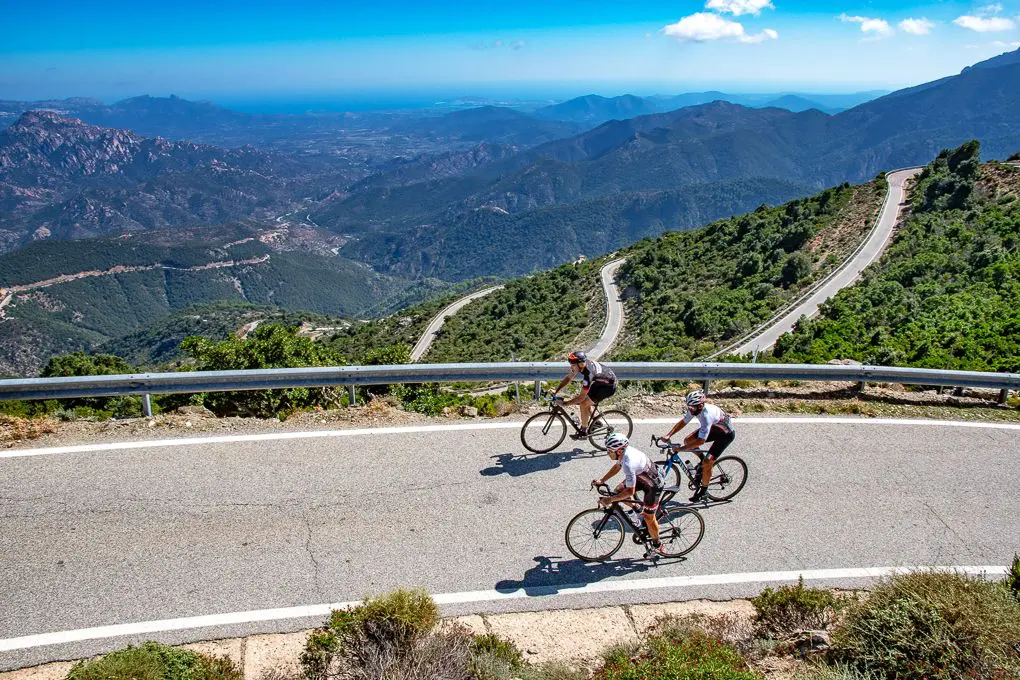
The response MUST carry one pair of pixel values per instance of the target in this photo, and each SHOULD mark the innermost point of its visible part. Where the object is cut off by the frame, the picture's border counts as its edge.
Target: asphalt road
(115, 536)
(425, 341)
(891, 209)
(614, 310)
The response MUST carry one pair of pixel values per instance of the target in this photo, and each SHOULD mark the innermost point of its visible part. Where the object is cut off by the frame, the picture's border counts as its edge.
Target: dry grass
(14, 429)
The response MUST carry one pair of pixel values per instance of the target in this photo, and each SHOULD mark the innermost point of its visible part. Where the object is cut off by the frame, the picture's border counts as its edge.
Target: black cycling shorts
(650, 490)
(720, 439)
(599, 391)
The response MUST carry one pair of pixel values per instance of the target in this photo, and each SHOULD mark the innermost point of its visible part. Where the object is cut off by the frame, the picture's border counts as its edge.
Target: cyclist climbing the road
(638, 475)
(716, 426)
(598, 382)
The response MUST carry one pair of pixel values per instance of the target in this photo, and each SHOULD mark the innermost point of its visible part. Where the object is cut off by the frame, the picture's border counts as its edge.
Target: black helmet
(577, 357)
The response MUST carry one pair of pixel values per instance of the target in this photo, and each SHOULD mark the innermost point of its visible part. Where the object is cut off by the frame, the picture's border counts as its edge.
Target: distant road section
(614, 310)
(425, 341)
(873, 248)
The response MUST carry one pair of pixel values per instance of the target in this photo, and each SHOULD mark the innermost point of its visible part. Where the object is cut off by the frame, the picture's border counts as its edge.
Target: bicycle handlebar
(663, 443)
(603, 489)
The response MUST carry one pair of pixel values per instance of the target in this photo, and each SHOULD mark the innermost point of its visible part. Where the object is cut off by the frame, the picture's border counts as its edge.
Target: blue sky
(261, 48)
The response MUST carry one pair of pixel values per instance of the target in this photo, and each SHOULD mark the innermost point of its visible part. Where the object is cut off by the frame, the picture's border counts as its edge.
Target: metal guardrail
(146, 384)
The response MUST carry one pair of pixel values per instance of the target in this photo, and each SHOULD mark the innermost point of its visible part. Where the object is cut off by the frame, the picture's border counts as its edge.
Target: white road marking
(323, 610)
(503, 425)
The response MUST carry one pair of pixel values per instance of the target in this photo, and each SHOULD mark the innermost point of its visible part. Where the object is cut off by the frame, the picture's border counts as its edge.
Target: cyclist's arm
(609, 475)
(679, 425)
(581, 396)
(563, 383)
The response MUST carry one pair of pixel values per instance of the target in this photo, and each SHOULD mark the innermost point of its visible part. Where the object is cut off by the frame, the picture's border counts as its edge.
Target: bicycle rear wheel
(680, 531)
(543, 432)
(594, 535)
(607, 422)
(729, 474)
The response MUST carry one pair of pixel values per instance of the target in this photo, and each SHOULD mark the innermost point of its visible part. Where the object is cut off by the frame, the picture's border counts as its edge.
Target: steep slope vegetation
(685, 292)
(946, 294)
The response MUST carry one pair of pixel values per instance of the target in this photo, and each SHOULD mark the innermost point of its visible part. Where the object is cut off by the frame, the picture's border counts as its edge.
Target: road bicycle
(729, 473)
(546, 430)
(596, 534)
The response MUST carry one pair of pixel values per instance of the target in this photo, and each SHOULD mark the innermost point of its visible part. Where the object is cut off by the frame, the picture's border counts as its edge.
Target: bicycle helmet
(695, 399)
(616, 441)
(577, 357)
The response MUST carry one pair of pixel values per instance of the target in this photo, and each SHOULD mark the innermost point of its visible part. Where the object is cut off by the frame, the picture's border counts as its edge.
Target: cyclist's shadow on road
(550, 575)
(517, 464)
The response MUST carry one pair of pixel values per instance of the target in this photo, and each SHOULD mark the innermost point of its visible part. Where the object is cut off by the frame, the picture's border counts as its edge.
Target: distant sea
(384, 101)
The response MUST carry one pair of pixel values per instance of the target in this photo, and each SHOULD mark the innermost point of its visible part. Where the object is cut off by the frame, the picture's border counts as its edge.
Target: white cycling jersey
(634, 462)
(711, 416)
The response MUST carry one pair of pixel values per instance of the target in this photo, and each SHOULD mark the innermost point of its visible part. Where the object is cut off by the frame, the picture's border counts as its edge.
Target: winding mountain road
(892, 208)
(614, 310)
(160, 531)
(429, 334)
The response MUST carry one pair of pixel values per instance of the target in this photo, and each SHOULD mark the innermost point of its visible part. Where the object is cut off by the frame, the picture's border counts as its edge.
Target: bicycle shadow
(551, 575)
(516, 465)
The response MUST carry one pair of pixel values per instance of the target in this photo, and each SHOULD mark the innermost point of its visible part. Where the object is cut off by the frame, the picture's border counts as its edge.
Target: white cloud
(704, 26)
(878, 28)
(920, 26)
(1006, 45)
(739, 7)
(994, 8)
(517, 44)
(985, 24)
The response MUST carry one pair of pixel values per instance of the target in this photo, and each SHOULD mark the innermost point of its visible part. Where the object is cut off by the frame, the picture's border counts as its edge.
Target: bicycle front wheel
(543, 432)
(594, 535)
(729, 474)
(607, 422)
(680, 531)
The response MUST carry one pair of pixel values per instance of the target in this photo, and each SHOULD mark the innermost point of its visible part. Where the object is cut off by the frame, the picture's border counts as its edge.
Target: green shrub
(502, 650)
(832, 673)
(933, 626)
(1013, 577)
(155, 661)
(786, 609)
(385, 627)
(678, 652)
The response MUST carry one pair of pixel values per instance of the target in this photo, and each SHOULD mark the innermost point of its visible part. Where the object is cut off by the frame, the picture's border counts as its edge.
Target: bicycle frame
(617, 509)
(675, 458)
(556, 406)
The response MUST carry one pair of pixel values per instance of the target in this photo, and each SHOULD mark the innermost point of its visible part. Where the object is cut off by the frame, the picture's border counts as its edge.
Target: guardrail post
(1004, 395)
(705, 385)
(861, 385)
(147, 405)
(538, 390)
(352, 393)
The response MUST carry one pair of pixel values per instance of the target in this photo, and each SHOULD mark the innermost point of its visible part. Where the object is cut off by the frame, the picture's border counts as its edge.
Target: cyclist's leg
(720, 440)
(596, 393)
(651, 492)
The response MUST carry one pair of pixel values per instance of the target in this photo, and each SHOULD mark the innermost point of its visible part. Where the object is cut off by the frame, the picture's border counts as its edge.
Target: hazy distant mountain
(595, 109)
(493, 124)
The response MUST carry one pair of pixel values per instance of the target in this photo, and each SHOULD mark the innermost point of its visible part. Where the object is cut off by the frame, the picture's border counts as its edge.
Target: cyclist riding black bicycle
(598, 382)
(716, 426)
(639, 474)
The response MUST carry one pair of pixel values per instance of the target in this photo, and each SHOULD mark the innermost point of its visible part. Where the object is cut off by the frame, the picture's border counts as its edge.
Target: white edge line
(425, 429)
(322, 610)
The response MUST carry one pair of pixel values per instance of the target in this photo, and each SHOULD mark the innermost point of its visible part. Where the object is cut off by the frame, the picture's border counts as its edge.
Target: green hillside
(687, 294)
(946, 294)
(125, 285)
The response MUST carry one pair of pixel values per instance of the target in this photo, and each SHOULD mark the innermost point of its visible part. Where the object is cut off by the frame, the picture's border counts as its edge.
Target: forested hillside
(95, 290)
(685, 292)
(946, 294)
(688, 293)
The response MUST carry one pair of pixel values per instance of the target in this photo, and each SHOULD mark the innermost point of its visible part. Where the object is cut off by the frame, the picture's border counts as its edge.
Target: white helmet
(695, 398)
(616, 441)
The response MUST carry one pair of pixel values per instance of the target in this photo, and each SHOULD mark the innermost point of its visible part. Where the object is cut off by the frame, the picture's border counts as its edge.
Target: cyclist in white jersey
(639, 474)
(716, 426)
